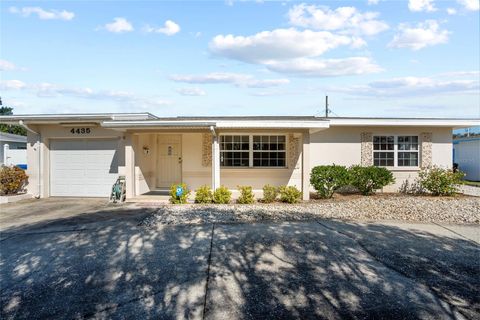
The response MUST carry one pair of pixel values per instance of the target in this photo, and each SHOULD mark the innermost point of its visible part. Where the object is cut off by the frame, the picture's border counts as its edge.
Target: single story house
(83, 154)
(13, 149)
(466, 152)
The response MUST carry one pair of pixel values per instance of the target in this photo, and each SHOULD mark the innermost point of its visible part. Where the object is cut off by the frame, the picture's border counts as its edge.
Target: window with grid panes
(234, 151)
(407, 151)
(269, 151)
(384, 151)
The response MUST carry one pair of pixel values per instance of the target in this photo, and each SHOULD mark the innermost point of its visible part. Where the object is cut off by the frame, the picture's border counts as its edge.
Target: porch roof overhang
(312, 125)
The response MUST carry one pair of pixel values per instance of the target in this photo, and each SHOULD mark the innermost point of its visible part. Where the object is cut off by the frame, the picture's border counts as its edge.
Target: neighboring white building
(82, 155)
(466, 152)
(13, 149)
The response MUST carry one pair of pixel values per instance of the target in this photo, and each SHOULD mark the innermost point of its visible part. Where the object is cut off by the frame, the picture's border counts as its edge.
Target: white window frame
(250, 150)
(396, 151)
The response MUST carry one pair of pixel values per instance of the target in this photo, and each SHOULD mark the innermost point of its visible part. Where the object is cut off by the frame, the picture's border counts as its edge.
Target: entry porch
(156, 159)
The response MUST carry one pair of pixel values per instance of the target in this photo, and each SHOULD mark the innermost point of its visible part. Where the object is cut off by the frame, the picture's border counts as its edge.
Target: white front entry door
(169, 165)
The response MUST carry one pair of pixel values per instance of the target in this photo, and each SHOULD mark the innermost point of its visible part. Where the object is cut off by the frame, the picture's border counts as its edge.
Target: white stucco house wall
(13, 149)
(466, 152)
(83, 154)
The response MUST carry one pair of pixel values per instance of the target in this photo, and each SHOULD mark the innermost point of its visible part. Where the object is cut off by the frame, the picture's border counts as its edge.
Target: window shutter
(426, 149)
(366, 139)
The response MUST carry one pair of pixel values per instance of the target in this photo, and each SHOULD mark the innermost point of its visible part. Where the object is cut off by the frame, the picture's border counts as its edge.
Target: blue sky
(417, 58)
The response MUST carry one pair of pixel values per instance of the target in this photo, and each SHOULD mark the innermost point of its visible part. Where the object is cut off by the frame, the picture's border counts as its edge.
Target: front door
(169, 165)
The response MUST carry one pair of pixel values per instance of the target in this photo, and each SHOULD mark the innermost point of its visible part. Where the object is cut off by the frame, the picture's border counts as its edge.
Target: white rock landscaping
(460, 209)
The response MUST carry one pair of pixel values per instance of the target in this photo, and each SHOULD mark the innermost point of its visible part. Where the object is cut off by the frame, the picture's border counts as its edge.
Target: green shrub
(270, 193)
(439, 181)
(327, 179)
(246, 195)
(222, 195)
(369, 179)
(204, 194)
(182, 199)
(12, 180)
(290, 194)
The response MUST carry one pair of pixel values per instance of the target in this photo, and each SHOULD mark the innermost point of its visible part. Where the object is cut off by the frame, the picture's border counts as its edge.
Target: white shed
(466, 152)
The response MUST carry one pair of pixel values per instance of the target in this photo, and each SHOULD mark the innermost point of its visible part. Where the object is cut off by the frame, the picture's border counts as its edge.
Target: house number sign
(80, 131)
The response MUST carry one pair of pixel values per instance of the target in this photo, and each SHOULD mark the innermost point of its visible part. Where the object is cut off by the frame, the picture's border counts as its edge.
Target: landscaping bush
(179, 199)
(204, 194)
(290, 194)
(270, 193)
(327, 179)
(222, 195)
(439, 181)
(369, 179)
(246, 195)
(12, 180)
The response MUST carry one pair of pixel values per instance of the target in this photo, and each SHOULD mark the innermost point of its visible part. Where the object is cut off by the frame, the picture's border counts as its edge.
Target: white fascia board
(453, 123)
(271, 124)
(156, 124)
(57, 118)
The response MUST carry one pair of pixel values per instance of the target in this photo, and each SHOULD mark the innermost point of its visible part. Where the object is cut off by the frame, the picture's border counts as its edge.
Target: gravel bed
(465, 210)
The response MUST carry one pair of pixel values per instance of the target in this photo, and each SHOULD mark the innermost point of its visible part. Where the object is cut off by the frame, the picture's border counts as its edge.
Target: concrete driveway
(96, 262)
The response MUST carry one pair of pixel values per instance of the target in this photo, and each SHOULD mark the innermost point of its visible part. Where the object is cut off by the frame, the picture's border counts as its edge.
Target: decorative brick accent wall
(207, 149)
(293, 151)
(366, 139)
(426, 150)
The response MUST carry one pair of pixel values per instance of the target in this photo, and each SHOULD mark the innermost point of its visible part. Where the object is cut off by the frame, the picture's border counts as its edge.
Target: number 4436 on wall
(80, 131)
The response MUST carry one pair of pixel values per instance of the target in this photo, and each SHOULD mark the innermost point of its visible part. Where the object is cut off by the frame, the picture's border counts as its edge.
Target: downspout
(39, 186)
(212, 130)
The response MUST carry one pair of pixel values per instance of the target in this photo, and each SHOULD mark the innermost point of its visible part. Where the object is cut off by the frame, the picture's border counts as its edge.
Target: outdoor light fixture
(146, 150)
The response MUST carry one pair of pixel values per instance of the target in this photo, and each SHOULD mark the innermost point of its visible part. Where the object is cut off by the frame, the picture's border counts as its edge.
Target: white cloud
(9, 66)
(423, 35)
(119, 25)
(325, 67)
(237, 79)
(42, 13)
(421, 5)
(278, 44)
(451, 11)
(372, 2)
(471, 5)
(191, 92)
(347, 20)
(415, 86)
(51, 90)
(12, 85)
(170, 28)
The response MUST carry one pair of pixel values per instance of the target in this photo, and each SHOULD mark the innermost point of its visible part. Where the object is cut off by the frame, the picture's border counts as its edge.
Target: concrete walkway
(81, 267)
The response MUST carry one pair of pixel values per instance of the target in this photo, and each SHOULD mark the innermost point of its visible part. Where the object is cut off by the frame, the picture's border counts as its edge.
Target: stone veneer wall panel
(426, 150)
(206, 149)
(366, 139)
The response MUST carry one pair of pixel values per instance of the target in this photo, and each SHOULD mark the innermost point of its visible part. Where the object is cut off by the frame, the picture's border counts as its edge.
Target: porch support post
(129, 166)
(215, 160)
(306, 165)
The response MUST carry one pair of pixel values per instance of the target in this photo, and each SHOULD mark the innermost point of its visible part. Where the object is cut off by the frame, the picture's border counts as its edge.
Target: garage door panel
(83, 168)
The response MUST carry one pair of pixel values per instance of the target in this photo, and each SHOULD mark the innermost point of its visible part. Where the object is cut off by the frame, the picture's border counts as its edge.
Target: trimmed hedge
(204, 194)
(290, 194)
(369, 179)
(182, 199)
(327, 179)
(222, 195)
(246, 195)
(270, 193)
(439, 181)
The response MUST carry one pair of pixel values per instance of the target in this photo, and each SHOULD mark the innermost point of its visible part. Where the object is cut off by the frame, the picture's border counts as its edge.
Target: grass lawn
(472, 183)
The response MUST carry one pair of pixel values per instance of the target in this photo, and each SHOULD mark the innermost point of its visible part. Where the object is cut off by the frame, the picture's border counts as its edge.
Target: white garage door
(82, 168)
